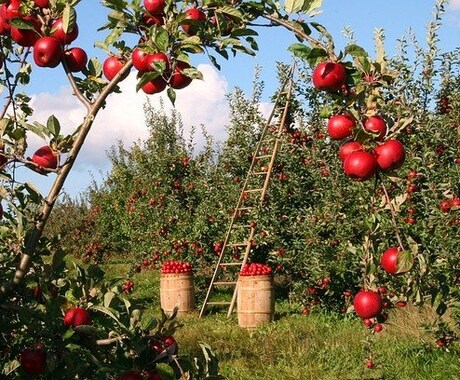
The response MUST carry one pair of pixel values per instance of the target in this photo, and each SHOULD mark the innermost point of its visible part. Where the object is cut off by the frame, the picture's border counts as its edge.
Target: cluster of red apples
(48, 37)
(256, 269)
(33, 359)
(176, 267)
(360, 161)
(165, 70)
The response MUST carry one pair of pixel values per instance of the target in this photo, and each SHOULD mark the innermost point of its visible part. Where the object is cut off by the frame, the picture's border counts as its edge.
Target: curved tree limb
(31, 244)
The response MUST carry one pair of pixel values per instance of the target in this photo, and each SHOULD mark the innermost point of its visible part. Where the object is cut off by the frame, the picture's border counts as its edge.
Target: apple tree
(38, 292)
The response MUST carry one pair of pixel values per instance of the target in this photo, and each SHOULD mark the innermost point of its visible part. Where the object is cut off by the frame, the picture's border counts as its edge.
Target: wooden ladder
(240, 233)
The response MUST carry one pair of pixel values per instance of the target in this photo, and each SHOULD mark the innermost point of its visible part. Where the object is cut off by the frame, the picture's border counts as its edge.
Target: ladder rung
(263, 156)
(244, 209)
(230, 264)
(218, 303)
(239, 244)
(253, 190)
(260, 173)
(225, 283)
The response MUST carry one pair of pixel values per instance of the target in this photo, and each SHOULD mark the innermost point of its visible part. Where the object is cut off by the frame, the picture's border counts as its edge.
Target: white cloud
(203, 102)
(454, 5)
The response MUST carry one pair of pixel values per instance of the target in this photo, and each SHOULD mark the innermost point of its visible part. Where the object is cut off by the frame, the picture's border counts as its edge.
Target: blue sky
(205, 102)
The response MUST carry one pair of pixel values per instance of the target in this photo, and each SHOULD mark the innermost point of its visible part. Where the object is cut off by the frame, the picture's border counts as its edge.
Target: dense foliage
(322, 228)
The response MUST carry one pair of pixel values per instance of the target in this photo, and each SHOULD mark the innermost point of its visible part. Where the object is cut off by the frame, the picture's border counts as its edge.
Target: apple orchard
(362, 214)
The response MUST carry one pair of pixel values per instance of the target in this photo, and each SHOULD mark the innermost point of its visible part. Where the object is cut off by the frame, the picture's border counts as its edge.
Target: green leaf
(11, 367)
(95, 67)
(53, 126)
(68, 334)
(244, 32)
(58, 259)
(5, 123)
(312, 7)
(231, 11)
(405, 261)
(108, 297)
(171, 95)
(294, 6)
(193, 73)
(69, 18)
(148, 323)
(20, 23)
(110, 312)
(145, 78)
(300, 50)
(38, 129)
(34, 192)
(161, 39)
(316, 56)
(355, 51)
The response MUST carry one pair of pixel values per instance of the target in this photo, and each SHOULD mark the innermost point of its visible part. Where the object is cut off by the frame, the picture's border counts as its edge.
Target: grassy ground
(317, 346)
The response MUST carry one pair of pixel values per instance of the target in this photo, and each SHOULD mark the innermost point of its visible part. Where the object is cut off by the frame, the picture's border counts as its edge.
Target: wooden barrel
(176, 289)
(255, 300)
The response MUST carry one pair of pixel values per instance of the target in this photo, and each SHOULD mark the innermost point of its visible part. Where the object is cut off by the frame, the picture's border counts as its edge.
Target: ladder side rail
(277, 143)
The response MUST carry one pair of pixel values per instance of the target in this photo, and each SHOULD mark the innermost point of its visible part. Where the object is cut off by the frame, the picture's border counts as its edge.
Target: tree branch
(36, 233)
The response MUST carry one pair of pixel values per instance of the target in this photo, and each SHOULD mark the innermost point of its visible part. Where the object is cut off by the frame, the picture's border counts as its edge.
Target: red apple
(329, 76)
(12, 9)
(368, 304)
(360, 165)
(179, 80)
(33, 361)
(445, 205)
(150, 20)
(152, 375)
(348, 147)
(155, 86)
(75, 59)
(340, 127)
(131, 375)
(77, 316)
(57, 31)
(160, 60)
(5, 27)
(390, 155)
(140, 59)
(112, 67)
(390, 260)
(154, 7)
(42, 3)
(26, 37)
(377, 126)
(45, 157)
(48, 52)
(194, 17)
(455, 203)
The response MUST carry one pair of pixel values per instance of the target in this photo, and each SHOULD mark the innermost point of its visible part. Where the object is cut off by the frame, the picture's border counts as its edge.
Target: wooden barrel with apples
(177, 289)
(255, 300)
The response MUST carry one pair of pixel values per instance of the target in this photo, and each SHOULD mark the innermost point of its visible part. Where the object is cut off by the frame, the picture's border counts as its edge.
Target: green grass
(317, 346)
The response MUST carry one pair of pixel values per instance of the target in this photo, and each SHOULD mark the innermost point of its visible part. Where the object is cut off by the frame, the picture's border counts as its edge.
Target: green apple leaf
(69, 18)
(294, 6)
(21, 24)
(53, 126)
(300, 50)
(405, 261)
(171, 95)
